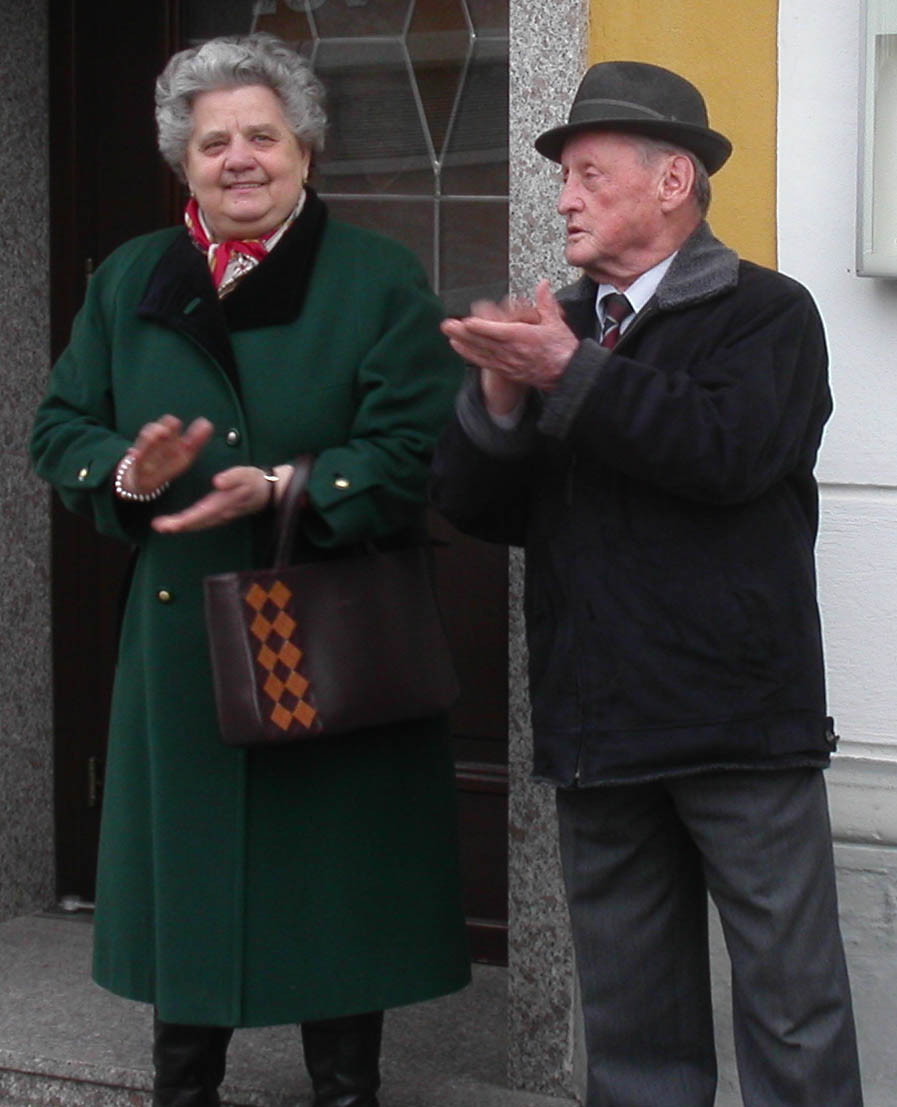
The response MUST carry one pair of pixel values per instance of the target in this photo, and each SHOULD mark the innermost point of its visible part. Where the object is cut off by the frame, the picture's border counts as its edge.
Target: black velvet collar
(180, 293)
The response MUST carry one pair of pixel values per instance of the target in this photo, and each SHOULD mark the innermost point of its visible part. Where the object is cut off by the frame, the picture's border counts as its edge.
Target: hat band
(586, 111)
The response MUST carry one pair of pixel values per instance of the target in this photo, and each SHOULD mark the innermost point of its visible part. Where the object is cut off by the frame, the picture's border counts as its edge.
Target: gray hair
(653, 148)
(230, 62)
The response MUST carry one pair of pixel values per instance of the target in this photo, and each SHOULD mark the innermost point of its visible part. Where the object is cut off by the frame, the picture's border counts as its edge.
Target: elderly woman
(315, 883)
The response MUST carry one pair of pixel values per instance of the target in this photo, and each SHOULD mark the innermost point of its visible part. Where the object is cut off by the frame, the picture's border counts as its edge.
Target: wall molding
(855, 491)
(863, 799)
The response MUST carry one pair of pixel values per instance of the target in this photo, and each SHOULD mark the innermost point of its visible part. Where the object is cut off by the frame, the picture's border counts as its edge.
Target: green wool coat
(235, 887)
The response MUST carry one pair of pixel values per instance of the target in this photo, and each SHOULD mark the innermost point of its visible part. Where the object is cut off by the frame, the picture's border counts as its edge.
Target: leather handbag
(325, 647)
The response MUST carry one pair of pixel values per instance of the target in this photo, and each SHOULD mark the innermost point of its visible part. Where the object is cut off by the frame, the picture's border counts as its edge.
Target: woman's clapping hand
(241, 490)
(163, 450)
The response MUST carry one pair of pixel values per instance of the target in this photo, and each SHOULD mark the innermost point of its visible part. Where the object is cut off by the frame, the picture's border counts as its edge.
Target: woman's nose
(239, 154)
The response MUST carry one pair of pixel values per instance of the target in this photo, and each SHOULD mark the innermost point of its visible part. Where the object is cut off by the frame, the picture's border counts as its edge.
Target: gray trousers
(638, 862)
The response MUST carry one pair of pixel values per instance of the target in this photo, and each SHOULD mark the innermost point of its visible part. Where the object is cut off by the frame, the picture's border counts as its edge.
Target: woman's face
(244, 164)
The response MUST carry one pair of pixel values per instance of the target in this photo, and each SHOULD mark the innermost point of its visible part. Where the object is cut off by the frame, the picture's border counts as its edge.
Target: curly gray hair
(229, 62)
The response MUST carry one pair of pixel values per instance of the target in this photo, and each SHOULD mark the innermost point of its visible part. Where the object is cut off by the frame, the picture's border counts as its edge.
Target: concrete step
(66, 1043)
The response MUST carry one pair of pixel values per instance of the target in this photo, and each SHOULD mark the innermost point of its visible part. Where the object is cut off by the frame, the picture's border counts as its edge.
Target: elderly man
(649, 437)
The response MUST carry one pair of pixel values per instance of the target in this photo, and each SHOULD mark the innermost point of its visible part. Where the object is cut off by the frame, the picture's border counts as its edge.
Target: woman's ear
(306, 158)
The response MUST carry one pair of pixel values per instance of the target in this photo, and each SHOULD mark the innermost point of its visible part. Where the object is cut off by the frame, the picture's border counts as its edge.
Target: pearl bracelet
(134, 497)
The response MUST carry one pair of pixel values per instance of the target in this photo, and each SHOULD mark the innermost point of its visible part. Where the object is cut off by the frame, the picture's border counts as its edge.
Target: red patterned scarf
(219, 254)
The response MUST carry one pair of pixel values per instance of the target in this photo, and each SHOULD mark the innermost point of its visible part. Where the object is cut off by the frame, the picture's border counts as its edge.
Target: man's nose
(568, 199)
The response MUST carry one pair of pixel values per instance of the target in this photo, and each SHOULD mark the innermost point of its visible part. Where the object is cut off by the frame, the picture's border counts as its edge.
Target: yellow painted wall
(727, 49)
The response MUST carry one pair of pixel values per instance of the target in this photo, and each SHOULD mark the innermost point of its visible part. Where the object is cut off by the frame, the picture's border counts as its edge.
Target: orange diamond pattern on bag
(278, 656)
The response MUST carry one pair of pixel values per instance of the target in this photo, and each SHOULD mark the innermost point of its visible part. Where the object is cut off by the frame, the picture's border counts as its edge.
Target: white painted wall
(819, 57)
(818, 135)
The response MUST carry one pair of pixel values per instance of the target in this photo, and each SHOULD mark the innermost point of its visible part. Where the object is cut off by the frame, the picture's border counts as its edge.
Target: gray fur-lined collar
(703, 268)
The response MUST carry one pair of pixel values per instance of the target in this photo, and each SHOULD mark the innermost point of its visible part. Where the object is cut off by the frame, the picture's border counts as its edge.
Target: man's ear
(677, 182)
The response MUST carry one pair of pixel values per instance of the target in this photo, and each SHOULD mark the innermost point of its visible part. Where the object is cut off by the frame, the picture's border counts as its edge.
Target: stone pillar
(26, 795)
(548, 44)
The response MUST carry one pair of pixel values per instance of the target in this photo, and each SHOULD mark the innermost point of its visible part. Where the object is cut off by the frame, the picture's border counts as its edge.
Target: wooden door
(433, 78)
(107, 184)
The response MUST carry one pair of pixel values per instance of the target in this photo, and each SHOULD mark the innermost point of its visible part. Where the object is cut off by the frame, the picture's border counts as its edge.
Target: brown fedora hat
(643, 99)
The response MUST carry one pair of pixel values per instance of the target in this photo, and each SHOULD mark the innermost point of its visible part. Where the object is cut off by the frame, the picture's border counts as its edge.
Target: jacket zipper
(578, 773)
(647, 312)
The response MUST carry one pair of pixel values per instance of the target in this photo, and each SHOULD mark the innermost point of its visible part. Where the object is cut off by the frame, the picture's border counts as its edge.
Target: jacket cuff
(484, 432)
(88, 489)
(564, 404)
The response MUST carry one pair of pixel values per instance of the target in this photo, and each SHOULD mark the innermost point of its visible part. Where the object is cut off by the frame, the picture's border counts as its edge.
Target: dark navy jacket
(664, 494)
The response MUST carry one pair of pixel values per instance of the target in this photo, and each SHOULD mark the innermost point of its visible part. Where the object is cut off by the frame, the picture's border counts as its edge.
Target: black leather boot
(189, 1064)
(343, 1059)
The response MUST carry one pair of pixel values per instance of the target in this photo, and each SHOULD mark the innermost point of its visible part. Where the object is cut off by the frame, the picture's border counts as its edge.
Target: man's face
(610, 200)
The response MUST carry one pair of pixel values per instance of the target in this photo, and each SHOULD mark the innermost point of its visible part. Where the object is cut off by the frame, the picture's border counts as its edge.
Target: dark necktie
(616, 308)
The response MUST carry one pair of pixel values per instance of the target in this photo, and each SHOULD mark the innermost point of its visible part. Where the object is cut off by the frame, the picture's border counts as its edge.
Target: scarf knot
(220, 254)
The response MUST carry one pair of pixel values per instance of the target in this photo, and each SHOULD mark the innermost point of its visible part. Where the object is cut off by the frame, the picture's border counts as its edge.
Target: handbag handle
(289, 509)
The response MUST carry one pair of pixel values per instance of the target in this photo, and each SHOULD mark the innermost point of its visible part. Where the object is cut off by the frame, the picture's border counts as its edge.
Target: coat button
(342, 482)
(82, 473)
(232, 438)
(164, 596)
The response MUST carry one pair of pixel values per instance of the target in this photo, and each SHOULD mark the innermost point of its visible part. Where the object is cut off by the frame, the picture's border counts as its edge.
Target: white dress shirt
(638, 293)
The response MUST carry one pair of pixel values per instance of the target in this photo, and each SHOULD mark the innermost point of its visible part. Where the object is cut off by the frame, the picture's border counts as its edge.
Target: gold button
(342, 482)
(82, 473)
(163, 596)
(232, 438)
